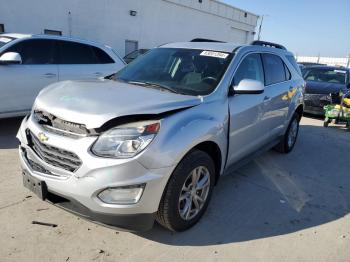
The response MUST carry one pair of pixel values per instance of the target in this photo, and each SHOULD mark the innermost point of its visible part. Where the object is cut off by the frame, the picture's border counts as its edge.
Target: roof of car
(46, 36)
(212, 46)
(16, 35)
(228, 47)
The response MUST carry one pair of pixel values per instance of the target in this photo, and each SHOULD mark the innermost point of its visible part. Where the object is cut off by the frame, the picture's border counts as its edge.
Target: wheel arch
(214, 151)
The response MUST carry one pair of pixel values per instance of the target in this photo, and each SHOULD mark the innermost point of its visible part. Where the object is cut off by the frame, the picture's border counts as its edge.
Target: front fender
(181, 132)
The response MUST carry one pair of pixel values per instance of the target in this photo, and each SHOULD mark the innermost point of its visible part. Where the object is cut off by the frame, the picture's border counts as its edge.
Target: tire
(171, 213)
(325, 123)
(285, 146)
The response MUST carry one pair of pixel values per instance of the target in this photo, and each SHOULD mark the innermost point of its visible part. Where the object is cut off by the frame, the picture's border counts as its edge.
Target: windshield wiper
(154, 85)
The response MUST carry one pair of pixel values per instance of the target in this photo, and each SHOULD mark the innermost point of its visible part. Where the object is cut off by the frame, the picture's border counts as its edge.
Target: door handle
(98, 74)
(50, 75)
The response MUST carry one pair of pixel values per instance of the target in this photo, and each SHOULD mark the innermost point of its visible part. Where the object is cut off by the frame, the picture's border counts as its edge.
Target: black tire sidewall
(288, 148)
(194, 159)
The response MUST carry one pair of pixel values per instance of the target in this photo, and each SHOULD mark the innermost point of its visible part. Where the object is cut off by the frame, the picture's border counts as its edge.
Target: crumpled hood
(313, 87)
(93, 103)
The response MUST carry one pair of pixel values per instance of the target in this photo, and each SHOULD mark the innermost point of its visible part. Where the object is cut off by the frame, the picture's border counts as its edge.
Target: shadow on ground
(273, 195)
(8, 131)
(276, 194)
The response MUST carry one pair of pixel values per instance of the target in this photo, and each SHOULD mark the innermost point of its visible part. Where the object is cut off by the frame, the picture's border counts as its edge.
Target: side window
(250, 68)
(294, 63)
(102, 56)
(72, 53)
(35, 52)
(274, 69)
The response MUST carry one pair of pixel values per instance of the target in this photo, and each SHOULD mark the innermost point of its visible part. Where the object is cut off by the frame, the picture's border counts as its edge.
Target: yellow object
(347, 102)
(345, 109)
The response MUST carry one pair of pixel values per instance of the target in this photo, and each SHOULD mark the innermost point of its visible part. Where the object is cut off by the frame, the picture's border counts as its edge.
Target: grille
(54, 156)
(59, 126)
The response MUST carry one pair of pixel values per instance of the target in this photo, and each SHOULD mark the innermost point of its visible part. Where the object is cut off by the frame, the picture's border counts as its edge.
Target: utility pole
(260, 27)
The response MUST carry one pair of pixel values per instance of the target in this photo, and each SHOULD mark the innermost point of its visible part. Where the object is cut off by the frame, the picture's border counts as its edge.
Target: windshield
(5, 40)
(186, 71)
(326, 75)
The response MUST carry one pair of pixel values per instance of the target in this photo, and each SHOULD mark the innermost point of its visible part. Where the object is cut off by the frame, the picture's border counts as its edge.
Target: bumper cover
(77, 192)
(131, 222)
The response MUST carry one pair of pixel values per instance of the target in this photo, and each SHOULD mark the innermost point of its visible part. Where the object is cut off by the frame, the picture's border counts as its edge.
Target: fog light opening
(124, 195)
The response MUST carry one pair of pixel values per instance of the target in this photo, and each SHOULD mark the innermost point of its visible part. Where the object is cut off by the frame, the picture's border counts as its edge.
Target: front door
(245, 111)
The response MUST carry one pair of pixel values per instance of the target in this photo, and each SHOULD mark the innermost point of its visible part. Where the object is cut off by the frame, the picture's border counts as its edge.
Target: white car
(28, 63)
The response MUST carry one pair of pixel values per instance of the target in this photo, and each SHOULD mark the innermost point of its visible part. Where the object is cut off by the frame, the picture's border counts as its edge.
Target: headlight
(326, 98)
(126, 141)
(122, 195)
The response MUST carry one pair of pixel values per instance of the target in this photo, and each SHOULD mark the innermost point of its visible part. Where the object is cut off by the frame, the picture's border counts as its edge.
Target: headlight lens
(126, 141)
(326, 98)
(122, 195)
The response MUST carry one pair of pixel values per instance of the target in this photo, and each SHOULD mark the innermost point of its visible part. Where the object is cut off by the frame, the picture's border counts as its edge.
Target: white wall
(109, 21)
(331, 61)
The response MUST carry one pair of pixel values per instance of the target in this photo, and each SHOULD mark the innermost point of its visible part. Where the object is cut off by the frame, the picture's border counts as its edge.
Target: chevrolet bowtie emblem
(42, 137)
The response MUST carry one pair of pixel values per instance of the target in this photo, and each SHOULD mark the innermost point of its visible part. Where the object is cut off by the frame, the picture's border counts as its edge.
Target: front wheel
(188, 192)
(289, 139)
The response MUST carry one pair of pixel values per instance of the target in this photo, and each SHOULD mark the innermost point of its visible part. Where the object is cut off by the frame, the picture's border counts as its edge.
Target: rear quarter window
(294, 63)
(101, 56)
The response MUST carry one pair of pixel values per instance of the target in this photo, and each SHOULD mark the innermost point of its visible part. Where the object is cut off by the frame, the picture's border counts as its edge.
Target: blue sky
(306, 27)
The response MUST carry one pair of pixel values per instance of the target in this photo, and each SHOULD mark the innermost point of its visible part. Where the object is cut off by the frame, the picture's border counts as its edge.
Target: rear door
(245, 134)
(278, 87)
(79, 61)
(20, 84)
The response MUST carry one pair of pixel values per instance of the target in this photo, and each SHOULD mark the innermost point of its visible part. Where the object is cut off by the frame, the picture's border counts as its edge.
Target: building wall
(331, 61)
(110, 22)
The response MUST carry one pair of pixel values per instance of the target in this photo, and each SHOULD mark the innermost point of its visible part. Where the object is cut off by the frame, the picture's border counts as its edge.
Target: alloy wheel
(194, 193)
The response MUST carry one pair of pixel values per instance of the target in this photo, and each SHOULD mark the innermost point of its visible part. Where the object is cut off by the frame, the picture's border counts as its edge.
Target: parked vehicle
(321, 81)
(153, 142)
(28, 63)
(133, 55)
(338, 112)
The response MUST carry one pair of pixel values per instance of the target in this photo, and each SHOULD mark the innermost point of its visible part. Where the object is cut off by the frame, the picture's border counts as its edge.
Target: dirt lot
(277, 208)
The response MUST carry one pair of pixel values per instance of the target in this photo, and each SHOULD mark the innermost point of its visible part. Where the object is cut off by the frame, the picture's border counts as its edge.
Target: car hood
(313, 87)
(94, 103)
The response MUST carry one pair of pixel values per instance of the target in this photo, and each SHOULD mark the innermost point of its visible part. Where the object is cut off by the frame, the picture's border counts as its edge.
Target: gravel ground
(277, 208)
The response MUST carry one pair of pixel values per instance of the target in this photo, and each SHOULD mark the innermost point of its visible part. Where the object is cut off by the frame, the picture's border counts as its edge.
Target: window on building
(2, 28)
(250, 68)
(35, 52)
(274, 69)
(52, 32)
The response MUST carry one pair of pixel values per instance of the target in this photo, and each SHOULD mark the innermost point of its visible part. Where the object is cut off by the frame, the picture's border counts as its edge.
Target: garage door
(238, 36)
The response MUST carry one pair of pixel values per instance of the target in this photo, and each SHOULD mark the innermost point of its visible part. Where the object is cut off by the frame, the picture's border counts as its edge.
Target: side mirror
(249, 86)
(10, 58)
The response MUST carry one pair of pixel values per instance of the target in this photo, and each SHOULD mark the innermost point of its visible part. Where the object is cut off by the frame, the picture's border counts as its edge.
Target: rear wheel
(289, 139)
(188, 192)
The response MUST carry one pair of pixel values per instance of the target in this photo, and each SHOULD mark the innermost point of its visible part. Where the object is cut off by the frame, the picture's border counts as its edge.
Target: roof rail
(206, 40)
(268, 44)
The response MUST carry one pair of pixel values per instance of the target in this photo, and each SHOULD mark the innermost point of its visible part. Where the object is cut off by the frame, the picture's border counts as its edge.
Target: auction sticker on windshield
(215, 54)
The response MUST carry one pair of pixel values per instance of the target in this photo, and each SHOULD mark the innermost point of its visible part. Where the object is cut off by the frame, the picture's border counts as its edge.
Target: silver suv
(151, 142)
